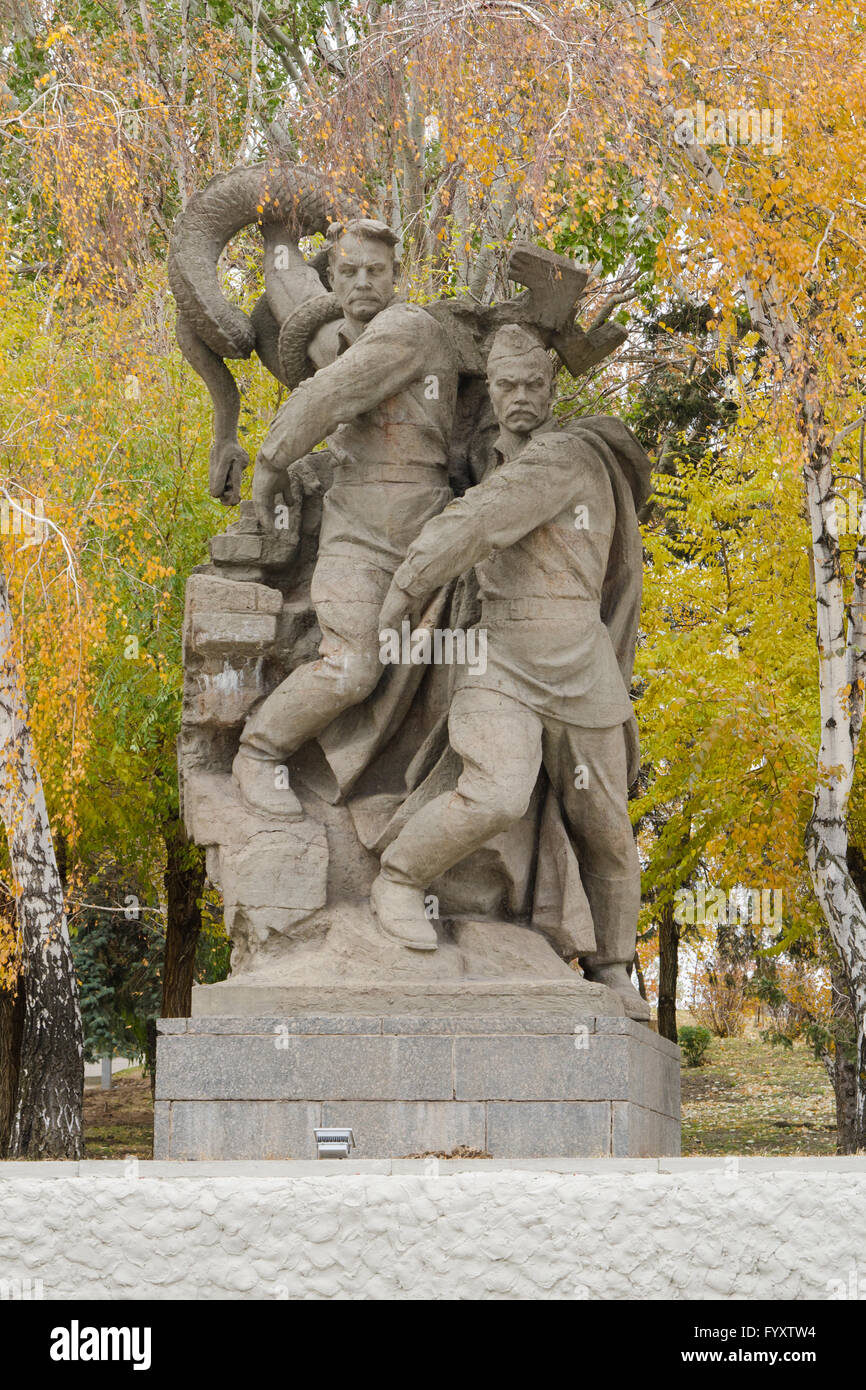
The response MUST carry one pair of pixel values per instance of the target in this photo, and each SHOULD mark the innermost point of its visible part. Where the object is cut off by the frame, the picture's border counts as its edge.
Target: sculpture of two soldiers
(538, 530)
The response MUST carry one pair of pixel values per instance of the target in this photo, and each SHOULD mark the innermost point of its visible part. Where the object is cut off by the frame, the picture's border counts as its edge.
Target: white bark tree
(47, 1121)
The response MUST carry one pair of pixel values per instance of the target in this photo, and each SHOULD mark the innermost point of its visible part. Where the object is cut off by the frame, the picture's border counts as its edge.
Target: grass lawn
(747, 1098)
(752, 1098)
(119, 1123)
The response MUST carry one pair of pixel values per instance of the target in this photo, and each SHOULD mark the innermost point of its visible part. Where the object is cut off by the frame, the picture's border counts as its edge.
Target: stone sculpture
(314, 772)
(407, 735)
(538, 530)
(384, 395)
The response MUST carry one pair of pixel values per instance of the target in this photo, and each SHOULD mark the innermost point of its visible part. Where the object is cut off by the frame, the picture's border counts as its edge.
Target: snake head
(227, 463)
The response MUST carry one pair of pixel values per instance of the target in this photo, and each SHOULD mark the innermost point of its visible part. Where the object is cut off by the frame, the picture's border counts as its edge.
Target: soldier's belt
(358, 474)
(540, 608)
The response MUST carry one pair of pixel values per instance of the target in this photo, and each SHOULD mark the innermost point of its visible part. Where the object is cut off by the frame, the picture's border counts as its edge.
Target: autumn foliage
(463, 126)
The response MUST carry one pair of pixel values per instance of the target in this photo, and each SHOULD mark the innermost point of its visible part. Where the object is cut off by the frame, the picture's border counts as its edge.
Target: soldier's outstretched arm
(506, 506)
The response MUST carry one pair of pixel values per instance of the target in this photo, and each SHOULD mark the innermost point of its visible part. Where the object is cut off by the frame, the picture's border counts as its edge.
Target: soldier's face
(521, 390)
(362, 276)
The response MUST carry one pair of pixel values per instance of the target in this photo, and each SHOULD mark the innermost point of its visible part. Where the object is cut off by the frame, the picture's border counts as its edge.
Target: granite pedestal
(506, 1084)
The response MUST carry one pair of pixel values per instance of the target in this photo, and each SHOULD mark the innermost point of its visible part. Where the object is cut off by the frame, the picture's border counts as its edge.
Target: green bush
(694, 1043)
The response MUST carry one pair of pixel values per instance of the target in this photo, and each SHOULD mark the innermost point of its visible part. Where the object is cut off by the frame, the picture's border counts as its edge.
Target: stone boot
(399, 910)
(616, 977)
(259, 786)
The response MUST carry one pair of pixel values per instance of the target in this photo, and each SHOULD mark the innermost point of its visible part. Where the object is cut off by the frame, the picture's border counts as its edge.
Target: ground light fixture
(334, 1143)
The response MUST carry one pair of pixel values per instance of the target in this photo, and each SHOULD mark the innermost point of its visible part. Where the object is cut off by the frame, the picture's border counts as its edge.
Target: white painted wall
(651, 1229)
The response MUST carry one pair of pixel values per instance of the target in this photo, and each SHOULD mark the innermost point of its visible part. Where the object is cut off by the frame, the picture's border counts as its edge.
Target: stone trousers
(503, 744)
(348, 598)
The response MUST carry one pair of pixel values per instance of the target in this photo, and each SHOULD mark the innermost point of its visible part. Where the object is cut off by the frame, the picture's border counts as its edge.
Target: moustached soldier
(552, 533)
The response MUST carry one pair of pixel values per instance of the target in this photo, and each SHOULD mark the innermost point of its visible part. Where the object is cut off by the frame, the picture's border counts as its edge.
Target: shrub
(694, 1043)
(723, 997)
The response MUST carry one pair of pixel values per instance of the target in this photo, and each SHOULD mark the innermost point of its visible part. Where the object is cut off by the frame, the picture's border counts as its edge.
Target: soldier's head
(520, 378)
(363, 266)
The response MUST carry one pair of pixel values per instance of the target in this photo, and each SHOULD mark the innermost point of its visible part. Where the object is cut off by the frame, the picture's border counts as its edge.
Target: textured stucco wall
(652, 1229)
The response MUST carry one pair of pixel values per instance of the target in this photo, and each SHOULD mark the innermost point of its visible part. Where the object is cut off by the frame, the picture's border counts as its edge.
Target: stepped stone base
(563, 1083)
(244, 997)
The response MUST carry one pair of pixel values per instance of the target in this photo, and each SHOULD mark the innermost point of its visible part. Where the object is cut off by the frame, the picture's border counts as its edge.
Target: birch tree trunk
(669, 946)
(841, 1069)
(47, 1122)
(184, 882)
(11, 1029)
(841, 656)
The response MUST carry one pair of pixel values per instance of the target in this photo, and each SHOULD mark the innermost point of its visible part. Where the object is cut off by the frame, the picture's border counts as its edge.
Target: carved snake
(287, 201)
